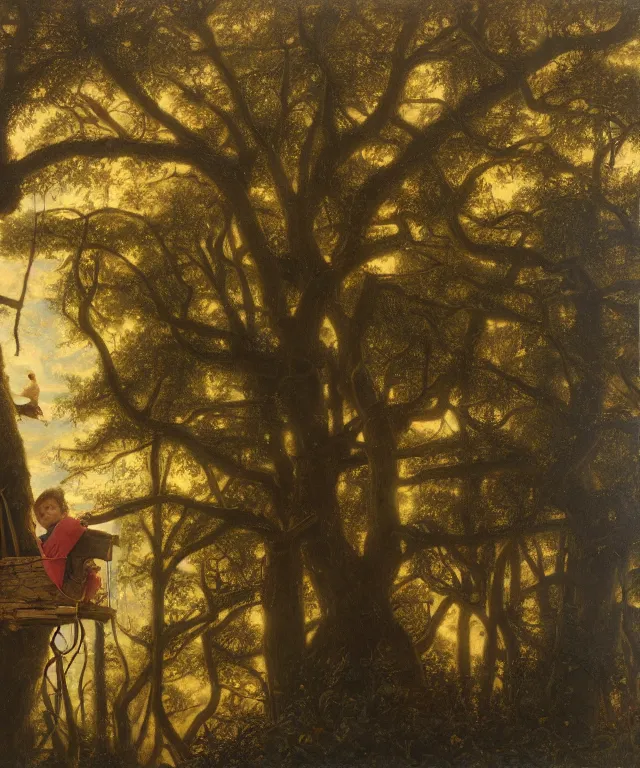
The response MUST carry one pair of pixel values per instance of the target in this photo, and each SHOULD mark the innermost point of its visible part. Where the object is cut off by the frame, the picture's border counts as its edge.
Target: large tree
(477, 334)
(325, 258)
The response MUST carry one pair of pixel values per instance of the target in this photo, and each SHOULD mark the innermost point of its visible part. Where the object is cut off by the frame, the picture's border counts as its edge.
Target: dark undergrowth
(387, 726)
(421, 742)
(374, 722)
(410, 738)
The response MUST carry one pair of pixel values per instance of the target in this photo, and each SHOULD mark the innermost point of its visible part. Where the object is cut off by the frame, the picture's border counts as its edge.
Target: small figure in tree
(31, 392)
(68, 547)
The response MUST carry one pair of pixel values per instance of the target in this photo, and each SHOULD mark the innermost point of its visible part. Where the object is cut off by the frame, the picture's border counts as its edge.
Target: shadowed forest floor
(362, 742)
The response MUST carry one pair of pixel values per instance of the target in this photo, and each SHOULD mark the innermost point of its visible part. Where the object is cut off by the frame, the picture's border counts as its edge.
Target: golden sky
(41, 334)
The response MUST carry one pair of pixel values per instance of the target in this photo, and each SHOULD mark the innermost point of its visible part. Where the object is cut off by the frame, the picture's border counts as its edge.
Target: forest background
(348, 293)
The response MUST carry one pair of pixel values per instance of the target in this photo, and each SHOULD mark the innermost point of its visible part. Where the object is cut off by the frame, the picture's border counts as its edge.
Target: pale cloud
(11, 277)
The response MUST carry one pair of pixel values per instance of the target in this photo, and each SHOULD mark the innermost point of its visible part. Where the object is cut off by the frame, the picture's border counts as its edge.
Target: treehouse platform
(28, 597)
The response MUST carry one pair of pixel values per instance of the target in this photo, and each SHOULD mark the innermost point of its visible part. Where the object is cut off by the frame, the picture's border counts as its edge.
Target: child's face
(48, 513)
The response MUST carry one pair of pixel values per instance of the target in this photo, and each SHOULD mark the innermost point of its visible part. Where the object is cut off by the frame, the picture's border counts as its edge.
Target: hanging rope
(52, 710)
(61, 689)
(81, 709)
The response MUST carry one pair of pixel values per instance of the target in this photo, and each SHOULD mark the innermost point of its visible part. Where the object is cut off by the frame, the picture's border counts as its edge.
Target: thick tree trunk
(358, 625)
(284, 638)
(358, 622)
(361, 631)
(22, 652)
(588, 485)
(589, 634)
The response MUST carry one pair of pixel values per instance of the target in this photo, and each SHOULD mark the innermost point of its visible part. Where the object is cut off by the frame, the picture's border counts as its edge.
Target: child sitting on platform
(68, 547)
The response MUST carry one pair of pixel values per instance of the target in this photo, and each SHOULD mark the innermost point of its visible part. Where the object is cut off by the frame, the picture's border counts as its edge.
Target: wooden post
(100, 689)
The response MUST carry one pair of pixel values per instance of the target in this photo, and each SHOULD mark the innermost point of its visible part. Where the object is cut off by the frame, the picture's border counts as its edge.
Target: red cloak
(57, 547)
